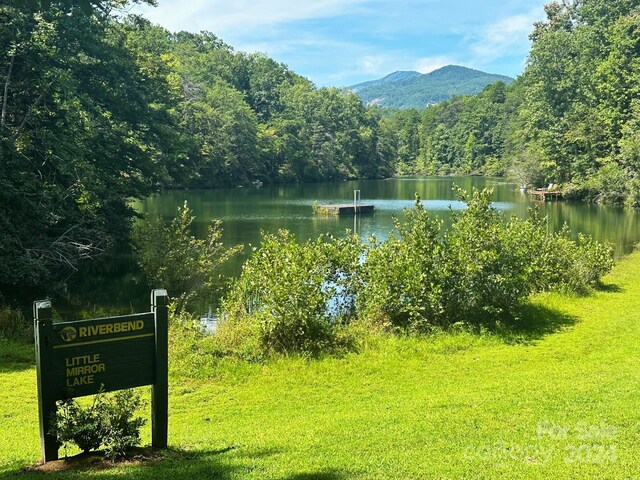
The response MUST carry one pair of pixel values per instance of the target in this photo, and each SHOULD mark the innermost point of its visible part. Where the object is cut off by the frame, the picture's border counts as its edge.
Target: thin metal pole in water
(356, 210)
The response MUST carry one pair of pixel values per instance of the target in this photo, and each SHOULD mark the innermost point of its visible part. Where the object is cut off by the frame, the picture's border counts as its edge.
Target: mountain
(416, 90)
(397, 78)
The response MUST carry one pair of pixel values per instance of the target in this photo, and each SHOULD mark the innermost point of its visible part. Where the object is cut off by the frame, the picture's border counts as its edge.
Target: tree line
(572, 117)
(98, 107)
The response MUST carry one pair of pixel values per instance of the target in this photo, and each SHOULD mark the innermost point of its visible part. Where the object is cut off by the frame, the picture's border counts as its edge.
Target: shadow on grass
(533, 322)
(148, 463)
(320, 475)
(171, 463)
(610, 288)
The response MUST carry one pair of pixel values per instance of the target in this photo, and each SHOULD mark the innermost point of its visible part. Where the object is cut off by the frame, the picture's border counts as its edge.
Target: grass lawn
(561, 401)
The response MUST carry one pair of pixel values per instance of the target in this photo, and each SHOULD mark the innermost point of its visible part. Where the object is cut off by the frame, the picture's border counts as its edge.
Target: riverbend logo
(68, 334)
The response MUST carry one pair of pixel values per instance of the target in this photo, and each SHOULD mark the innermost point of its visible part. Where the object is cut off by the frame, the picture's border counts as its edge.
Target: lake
(116, 285)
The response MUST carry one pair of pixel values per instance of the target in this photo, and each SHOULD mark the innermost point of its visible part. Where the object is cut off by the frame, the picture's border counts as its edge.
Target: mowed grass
(559, 401)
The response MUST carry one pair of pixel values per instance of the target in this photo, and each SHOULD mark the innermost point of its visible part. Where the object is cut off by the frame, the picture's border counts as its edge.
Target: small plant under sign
(109, 421)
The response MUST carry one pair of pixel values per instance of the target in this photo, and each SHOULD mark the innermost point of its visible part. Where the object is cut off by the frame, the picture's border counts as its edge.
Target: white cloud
(372, 64)
(228, 17)
(283, 46)
(507, 36)
(429, 64)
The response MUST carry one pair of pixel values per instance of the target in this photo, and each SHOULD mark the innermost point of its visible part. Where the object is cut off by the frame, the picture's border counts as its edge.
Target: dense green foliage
(80, 426)
(74, 142)
(98, 107)
(95, 110)
(479, 271)
(402, 276)
(122, 426)
(580, 101)
(465, 135)
(571, 118)
(241, 118)
(415, 90)
(299, 298)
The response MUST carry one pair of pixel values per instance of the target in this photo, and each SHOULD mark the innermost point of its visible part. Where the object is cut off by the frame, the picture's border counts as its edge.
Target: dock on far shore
(546, 194)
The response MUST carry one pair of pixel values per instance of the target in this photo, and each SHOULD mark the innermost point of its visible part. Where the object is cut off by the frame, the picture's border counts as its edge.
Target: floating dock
(345, 209)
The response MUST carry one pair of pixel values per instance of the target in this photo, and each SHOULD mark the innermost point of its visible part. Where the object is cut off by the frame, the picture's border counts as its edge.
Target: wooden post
(160, 389)
(43, 331)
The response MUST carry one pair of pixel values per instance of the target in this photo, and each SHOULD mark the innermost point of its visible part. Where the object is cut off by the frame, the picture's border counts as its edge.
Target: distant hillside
(416, 90)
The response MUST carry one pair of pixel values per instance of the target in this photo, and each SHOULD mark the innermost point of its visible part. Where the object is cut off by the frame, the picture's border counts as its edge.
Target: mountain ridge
(409, 89)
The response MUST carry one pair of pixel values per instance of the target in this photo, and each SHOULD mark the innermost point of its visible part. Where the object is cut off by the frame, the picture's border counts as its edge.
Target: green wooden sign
(75, 359)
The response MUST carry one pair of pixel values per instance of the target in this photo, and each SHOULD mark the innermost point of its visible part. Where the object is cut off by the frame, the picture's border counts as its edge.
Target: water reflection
(246, 212)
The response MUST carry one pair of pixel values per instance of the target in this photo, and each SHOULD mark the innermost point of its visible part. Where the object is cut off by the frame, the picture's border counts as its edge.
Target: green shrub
(576, 266)
(174, 259)
(630, 160)
(292, 296)
(487, 260)
(480, 270)
(295, 297)
(122, 429)
(403, 276)
(82, 426)
(611, 183)
(109, 421)
(425, 278)
(608, 184)
(633, 196)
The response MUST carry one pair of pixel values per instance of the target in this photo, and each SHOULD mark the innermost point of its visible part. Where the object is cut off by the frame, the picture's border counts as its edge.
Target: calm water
(245, 212)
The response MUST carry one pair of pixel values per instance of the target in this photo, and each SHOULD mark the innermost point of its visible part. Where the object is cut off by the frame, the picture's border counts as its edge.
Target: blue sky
(343, 42)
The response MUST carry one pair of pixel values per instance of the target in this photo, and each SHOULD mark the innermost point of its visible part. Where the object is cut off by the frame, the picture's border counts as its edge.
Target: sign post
(74, 359)
(160, 389)
(46, 401)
